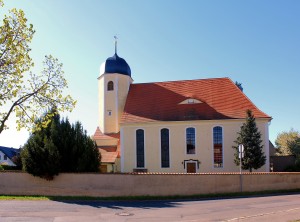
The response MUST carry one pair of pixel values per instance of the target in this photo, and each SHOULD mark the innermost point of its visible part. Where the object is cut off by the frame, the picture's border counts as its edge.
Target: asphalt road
(270, 208)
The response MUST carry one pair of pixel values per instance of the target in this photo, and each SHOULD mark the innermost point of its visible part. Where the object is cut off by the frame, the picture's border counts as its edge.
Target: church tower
(113, 84)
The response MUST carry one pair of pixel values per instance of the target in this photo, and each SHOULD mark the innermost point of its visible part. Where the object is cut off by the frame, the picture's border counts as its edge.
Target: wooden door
(191, 167)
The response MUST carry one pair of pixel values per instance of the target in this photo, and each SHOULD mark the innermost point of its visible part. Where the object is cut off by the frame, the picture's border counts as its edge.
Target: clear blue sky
(253, 42)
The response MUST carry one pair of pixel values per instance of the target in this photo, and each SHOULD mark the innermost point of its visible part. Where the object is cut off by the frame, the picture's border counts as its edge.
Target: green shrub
(7, 167)
(1, 167)
(293, 168)
(40, 157)
(59, 147)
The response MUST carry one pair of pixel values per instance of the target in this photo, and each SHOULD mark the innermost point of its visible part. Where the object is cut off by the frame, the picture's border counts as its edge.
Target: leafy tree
(295, 148)
(60, 147)
(24, 93)
(250, 137)
(288, 143)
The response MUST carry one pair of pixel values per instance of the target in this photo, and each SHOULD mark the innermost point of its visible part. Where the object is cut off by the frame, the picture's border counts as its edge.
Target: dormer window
(110, 86)
(190, 101)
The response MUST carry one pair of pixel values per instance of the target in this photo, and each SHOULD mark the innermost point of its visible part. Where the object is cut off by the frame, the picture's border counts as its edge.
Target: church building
(186, 126)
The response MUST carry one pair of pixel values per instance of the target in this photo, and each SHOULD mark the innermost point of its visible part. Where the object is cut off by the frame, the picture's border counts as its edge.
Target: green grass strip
(139, 198)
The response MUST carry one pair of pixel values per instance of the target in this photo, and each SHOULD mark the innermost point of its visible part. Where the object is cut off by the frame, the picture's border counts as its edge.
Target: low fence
(107, 185)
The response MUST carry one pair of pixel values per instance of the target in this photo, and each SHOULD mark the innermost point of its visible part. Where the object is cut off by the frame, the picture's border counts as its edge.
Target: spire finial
(116, 43)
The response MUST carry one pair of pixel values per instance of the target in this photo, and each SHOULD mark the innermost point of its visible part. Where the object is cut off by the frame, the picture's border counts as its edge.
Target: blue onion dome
(115, 64)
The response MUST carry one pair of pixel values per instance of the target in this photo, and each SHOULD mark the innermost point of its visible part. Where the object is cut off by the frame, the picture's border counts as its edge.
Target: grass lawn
(131, 198)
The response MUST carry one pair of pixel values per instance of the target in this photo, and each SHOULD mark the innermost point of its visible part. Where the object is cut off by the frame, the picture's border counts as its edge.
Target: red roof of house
(159, 101)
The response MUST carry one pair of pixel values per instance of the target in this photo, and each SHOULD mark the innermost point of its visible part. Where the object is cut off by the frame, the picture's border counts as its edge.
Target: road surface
(269, 208)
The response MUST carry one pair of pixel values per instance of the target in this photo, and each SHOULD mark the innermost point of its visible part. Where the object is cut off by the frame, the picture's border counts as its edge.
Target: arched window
(110, 86)
(218, 146)
(165, 149)
(190, 141)
(140, 149)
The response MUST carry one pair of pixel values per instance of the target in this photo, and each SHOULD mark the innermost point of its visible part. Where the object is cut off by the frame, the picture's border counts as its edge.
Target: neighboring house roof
(272, 149)
(214, 99)
(9, 152)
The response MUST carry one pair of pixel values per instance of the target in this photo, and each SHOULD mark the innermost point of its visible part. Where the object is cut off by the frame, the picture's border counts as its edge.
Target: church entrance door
(191, 167)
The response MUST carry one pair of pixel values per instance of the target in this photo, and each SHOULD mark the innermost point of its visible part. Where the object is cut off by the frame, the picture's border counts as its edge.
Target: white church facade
(184, 126)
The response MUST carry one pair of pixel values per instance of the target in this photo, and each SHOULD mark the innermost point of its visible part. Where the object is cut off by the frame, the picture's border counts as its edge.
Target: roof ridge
(184, 80)
(5, 147)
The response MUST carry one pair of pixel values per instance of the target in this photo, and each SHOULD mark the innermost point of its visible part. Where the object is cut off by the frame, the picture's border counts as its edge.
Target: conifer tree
(79, 153)
(40, 156)
(59, 147)
(250, 137)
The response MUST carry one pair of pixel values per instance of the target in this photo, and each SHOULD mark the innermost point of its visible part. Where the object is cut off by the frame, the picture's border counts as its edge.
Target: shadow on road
(119, 205)
(150, 204)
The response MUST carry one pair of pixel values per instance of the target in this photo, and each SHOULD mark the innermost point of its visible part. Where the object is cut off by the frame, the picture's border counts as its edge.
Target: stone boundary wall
(152, 184)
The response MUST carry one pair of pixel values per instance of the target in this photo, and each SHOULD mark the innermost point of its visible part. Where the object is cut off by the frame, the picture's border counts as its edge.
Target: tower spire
(116, 43)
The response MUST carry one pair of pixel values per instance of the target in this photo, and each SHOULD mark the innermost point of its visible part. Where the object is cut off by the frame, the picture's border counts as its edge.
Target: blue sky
(253, 42)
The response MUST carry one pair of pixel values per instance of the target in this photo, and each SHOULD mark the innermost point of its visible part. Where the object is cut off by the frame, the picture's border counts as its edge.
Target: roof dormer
(190, 101)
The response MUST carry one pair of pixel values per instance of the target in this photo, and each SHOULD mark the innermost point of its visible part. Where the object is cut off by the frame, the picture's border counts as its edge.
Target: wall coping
(161, 173)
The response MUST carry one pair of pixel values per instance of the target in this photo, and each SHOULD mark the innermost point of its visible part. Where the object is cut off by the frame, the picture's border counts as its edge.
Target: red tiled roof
(159, 101)
(109, 148)
(98, 135)
(108, 157)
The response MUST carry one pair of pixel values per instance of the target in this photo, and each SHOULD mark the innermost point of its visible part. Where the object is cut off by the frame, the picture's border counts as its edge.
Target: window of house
(190, 141)
(5, 157)
(191, 101)
(218, 146)
(165, 149)
(140, 149)
(109, 112)
(110, 86)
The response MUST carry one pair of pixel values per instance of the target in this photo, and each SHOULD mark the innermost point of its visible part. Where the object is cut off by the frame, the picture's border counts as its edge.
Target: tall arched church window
(165, 148)
(218, 146)
(190, 140)
(110, 86)
(140, 149)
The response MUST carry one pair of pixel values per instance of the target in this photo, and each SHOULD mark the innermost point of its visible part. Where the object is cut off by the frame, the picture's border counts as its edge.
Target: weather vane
(116, 41)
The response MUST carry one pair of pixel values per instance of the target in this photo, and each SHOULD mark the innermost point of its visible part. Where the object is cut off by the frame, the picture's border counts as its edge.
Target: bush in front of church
(58, 147)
